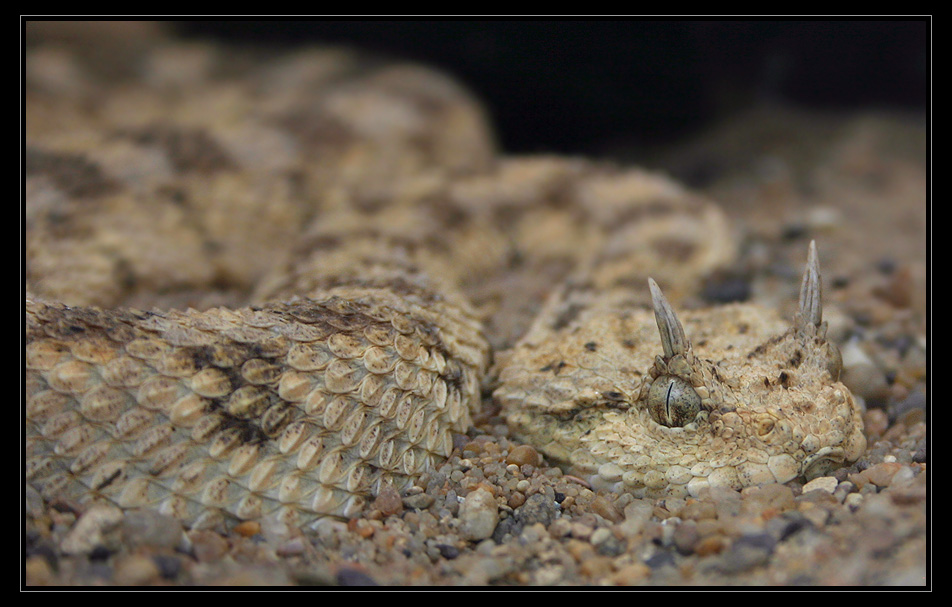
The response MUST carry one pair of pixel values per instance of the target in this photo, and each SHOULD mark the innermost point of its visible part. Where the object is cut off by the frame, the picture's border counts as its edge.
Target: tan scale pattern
(294, 411)
(363, 267)
(770, 409)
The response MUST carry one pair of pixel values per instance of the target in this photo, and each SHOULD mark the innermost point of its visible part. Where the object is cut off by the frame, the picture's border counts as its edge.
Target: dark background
(589, 87)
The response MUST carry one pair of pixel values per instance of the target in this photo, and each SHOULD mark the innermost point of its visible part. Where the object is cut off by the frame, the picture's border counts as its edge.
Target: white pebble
(478, 515)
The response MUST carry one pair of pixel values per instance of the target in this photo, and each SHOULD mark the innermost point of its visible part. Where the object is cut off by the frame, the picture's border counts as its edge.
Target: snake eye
(672, 401)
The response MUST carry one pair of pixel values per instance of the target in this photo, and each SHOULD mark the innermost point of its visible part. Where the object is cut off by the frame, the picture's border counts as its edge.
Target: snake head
(765, 402)
(736, 396)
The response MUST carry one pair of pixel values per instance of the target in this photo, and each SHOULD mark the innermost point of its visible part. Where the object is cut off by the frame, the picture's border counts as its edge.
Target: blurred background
(596, 87)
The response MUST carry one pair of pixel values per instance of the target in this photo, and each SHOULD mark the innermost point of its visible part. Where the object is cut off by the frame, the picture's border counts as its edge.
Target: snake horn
(673, 339)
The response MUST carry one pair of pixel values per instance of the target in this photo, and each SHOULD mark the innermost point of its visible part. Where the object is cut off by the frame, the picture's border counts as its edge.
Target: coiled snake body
(365, 266)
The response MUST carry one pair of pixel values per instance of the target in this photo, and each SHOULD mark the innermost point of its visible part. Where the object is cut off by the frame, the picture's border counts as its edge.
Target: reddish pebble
(248, 528)
(876, 422)
(388, 501)
(713, 544)
(881, 474)
(606, 510)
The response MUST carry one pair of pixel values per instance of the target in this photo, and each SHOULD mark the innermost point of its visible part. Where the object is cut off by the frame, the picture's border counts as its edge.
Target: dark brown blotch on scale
(556, 368)
(190, 150)
(73, 174)
(316, 130)
(675, 249)
(567, 316)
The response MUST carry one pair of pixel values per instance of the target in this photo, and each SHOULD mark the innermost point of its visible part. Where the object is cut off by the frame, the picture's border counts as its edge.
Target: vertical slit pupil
(667, 399)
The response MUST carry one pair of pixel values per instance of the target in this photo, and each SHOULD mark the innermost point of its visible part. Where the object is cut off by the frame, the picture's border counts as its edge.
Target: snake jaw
(822, 462)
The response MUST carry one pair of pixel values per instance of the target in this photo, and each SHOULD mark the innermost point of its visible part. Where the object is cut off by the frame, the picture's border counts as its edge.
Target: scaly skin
(749, 402)
(364, 266)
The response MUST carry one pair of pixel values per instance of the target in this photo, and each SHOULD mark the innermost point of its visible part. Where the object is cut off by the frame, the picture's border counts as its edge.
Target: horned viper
(271, 286)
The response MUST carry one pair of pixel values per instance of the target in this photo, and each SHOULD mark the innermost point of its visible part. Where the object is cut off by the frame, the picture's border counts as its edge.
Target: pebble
(97, 528)
(898, 290)
(516, 499)
(712, 544)
(612, 546)
(637, 514)
(823, 218)
(748, 551)
(388, 501)
(596, 566)
(600, 536)
(913, 401)
(478, 515)
(660, 559)
(169, 565)
(207, 546)
(420, 501)
(788, 524)
(816, 515)
(522, 455)
(604, 508)
(248, 528)
(580, 550)
(875, 422)
(32, 502)
(37, 572)
(822, 483)
(136, 570)
(152, 529)
(537, 509)
(580, 530)
(630, 575)
(698, 510)
(352, 576)
(880, 474)
(773, 497)
(861, 375)
(843, 489)
(685, 537)
(913, 416)
(669, 507)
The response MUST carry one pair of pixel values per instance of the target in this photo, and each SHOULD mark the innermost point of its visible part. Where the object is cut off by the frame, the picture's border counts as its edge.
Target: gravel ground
(496, 514)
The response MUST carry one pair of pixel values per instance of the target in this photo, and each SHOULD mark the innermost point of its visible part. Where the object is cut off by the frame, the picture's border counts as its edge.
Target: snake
(272, 285)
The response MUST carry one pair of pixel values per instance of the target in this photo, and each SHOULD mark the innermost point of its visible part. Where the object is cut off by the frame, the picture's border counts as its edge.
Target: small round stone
(522, 455)
(478, 515)
(388, 501)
